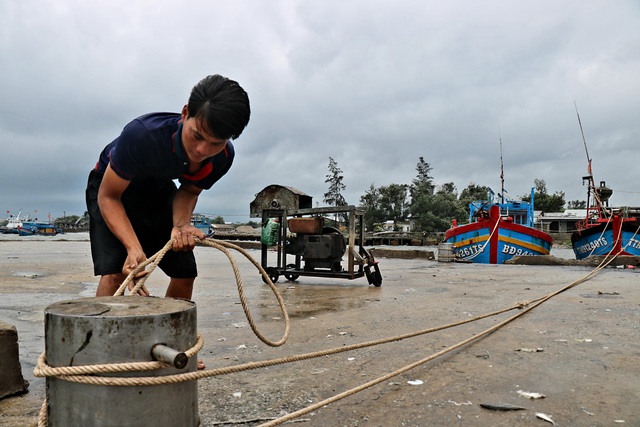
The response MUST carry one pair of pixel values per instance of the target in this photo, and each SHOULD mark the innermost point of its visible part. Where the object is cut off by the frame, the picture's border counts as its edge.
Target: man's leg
(109, 284)
(180, 288)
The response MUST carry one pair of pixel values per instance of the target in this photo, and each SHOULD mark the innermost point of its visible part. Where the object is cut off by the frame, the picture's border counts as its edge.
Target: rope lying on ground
(76, 373)
(82, 374)
(475, 337)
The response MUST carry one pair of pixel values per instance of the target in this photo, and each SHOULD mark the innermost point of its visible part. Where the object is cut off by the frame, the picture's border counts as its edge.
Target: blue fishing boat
(606, 231)
(203, 223)
(30, 228)
(497, 231)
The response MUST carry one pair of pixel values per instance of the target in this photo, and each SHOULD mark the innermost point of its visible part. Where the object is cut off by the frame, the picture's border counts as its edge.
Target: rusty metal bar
(168, 355)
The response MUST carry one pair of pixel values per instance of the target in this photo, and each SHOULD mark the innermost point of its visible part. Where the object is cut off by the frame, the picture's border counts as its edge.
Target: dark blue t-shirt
(149, 152)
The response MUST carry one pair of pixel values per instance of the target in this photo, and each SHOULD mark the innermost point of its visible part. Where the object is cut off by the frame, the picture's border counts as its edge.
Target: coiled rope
(223, 247)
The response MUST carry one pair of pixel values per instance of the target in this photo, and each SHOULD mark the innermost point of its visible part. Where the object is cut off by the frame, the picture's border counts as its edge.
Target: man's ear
(185, 113)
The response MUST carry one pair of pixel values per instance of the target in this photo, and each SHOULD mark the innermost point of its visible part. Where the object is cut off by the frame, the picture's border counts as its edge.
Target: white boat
(14, 224)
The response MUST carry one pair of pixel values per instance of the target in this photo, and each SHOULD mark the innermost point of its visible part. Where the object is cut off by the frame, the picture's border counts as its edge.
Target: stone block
(11, 380)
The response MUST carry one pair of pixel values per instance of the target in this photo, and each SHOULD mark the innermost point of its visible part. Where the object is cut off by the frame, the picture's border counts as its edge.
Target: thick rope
(397, 372)
(42, 369)
(74, 373)
(222, 246)
(154, 260)
(79, 373)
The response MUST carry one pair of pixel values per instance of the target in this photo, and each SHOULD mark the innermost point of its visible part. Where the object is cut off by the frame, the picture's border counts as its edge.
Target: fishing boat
(28, 227)
(203, 223)
(497, 231)
(605, 231)
(14, 224)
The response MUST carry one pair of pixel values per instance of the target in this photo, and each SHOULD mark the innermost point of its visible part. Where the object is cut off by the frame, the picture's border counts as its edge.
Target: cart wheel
(377, 276)
(374, 278)
(273, 275)
(291, 277)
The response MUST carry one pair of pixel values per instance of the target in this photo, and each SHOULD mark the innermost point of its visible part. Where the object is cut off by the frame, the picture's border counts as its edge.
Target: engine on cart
(318, 251)
(295, 228)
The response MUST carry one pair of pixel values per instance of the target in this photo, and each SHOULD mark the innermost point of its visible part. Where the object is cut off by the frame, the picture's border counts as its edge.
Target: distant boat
(203, 223)
(14, 224)
(605, 230)
(497, 231)
(27, 227)
(30, 228)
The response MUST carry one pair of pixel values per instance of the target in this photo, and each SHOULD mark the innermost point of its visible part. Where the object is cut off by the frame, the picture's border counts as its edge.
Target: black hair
(221, 104)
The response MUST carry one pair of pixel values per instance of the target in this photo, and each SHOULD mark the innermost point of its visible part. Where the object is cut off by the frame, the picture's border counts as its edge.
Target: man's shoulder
(152, 128)
(158, 121)
(230, 150)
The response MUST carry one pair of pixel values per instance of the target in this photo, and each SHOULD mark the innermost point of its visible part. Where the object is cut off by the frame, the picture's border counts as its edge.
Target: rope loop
(224, 247)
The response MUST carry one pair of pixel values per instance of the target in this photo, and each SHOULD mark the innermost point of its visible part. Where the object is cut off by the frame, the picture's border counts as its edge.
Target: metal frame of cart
(360, 262)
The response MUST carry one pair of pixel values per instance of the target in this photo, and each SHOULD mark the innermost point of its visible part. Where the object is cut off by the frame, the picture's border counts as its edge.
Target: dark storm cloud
(375, 85)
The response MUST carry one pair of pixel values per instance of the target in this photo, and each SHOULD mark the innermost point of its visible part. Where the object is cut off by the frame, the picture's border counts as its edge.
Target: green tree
(370, 203)
(422, 184)
(543, 201)
(435, 212)
(472, 193)
(577, 204)
(334, 197)
(393, 202)
(421, 191)
(218, 220)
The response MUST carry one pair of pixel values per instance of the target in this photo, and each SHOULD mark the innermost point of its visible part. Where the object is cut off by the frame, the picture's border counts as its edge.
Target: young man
(133, 203)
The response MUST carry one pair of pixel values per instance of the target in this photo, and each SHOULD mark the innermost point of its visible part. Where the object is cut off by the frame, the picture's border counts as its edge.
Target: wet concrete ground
(581, 349)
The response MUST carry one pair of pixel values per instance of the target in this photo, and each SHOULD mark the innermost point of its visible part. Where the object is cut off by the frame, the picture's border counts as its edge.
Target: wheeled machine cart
(305, 246)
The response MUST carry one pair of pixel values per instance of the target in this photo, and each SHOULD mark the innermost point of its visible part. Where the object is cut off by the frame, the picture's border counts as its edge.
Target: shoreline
(405, 251)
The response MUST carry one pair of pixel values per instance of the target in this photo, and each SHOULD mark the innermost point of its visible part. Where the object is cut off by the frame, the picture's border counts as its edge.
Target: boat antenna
(583, 140)
(501, 167)
(589, 178)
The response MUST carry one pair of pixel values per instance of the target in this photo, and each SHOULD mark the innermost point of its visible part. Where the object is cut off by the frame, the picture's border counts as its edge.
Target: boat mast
(501, 168)
(589, 177)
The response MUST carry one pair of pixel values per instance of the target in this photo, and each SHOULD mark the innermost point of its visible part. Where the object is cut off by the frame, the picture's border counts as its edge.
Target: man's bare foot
(200, 365)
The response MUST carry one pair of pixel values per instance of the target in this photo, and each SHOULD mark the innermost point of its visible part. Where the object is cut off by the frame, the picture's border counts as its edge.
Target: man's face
(198, 144)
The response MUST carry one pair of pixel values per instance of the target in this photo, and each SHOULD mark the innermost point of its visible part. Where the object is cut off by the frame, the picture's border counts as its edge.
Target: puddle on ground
(304, 300)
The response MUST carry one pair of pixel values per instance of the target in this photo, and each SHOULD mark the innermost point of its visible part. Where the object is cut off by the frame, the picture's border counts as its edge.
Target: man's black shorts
(149, 210)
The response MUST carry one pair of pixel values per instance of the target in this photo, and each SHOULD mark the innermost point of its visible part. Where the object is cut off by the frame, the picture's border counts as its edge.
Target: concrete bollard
(11, 380)
(107, 330)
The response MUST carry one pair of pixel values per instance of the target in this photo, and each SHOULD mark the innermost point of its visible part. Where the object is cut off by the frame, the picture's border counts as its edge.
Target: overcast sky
(373, 84)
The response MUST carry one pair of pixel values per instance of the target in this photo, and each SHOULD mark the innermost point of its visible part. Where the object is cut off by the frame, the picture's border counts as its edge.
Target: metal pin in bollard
(162, 353)
(108, 330)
